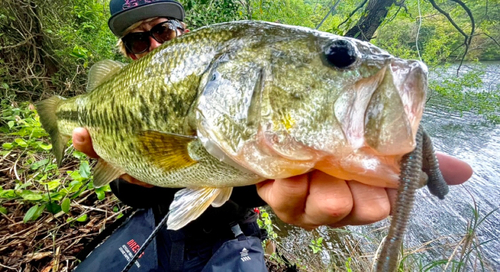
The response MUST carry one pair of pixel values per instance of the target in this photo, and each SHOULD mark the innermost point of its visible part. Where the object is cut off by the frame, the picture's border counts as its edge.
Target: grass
(466, 253)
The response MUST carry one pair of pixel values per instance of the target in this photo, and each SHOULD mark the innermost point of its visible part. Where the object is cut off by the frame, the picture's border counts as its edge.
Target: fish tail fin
(189, 204)
(47, 112)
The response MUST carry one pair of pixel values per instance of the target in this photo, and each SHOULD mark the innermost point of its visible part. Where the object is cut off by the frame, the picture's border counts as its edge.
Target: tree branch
(395, 14)
(352, 13)
(468, 38)
(495, 41)
(332, 9)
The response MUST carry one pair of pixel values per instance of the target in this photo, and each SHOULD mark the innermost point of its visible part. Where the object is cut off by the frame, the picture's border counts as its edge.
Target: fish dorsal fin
(167, 151)
(104, 173)
(102, 71)
(190, 203)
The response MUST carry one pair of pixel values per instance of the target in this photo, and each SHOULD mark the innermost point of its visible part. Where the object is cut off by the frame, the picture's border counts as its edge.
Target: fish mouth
(395, 108)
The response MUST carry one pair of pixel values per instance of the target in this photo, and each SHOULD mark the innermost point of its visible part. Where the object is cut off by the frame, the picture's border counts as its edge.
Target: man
(309, 200)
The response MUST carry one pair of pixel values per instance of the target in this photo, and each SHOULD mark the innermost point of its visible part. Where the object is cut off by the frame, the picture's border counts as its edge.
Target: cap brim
(124, 19)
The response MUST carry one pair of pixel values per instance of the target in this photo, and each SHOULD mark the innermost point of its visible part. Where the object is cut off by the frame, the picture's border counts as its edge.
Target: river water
(437, 226)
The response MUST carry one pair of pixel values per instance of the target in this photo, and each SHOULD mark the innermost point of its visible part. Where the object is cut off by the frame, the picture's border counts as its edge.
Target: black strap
(238, 233)
(177, 250)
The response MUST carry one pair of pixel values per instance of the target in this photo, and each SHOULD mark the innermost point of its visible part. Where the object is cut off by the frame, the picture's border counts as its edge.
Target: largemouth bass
(236, 103)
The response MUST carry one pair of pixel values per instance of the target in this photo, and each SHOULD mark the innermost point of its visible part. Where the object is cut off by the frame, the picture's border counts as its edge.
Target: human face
(149, 35)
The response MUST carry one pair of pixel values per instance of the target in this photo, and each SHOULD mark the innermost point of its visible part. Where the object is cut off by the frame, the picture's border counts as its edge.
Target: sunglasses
(138, 42)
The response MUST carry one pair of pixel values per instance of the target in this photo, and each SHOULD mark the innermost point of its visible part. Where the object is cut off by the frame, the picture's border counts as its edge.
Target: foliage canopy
(47, 46)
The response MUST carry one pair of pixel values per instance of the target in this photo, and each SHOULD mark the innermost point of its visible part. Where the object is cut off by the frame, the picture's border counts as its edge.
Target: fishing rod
(146, 243)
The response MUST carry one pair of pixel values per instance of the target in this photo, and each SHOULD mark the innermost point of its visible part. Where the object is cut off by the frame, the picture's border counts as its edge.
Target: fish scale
(236, 103)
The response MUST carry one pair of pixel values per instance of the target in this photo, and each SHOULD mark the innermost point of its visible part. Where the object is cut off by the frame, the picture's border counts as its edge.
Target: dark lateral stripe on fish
(69, 115)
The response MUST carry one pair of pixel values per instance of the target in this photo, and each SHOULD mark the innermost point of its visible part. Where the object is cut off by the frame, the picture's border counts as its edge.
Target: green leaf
(55, 196)
(44, 177)
(85, 169)
(51, 166)
(3, 210)
(75, 175)
(29, 195)
(65, 205)
(100, 194)
(53, 207)
(30, 214)
(7, 146)
(38, 164)
(79, 52)
(20, 142)
(101, 191)
(8, 194)
(82, 218)
(33, 213)
(21, 186)
(75, 187)
(11, 124)
(79, 155)
(51, 185)
(44, 146)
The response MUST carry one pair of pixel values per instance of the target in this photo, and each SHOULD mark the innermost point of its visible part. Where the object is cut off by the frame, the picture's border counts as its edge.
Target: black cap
(125, 13)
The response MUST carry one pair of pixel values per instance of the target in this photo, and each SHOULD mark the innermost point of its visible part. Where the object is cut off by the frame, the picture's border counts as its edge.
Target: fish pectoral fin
(190, 203)
(104, 173)
(102, 71)
(223, 196)
(166, 151)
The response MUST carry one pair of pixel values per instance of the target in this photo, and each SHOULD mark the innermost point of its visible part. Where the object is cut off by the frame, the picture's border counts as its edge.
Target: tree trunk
(373, 15)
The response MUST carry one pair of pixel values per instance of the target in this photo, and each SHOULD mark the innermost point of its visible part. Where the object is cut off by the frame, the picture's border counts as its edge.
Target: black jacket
(240, 204)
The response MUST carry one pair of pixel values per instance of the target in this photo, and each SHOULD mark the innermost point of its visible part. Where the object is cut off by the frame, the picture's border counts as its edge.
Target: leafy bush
(46, 46)
(203, 12)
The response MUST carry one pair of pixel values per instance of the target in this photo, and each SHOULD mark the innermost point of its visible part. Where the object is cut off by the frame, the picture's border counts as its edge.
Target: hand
(83, 143)
(315, 199)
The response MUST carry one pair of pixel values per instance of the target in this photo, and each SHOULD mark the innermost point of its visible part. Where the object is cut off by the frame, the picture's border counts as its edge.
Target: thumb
(83, 143)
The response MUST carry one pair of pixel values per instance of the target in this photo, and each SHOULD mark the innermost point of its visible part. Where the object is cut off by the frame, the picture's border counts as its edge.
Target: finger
(286, 197)
(455, 171)
(392, 194)
(329, 200)
(371, 204)
(83, 143)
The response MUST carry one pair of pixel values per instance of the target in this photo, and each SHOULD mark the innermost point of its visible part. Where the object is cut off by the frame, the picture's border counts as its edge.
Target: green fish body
(236, 103)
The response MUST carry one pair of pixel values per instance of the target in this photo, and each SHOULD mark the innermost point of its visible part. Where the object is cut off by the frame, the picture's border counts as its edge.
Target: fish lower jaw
(374, 171)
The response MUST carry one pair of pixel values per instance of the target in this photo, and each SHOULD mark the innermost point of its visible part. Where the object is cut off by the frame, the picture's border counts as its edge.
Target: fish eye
(341, 54)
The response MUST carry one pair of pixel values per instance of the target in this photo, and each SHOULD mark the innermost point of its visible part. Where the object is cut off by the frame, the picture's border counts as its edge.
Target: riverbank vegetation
(46, 47)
